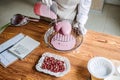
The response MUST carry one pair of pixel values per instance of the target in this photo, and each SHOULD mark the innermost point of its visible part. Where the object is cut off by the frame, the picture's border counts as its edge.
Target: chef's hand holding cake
(74, 10)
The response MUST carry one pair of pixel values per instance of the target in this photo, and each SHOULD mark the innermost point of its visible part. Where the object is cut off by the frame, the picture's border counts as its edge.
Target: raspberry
(52, 64)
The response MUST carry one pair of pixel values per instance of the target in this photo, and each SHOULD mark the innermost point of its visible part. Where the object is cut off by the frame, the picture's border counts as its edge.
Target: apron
(67, 9)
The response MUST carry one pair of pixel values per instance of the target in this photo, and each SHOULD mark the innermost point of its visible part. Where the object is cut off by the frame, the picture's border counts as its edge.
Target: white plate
(58, 74)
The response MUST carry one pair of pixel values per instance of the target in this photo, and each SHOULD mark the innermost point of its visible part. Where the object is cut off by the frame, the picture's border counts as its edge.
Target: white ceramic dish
(112, 78)
(100, 67)
(57, 74)
(118, 69)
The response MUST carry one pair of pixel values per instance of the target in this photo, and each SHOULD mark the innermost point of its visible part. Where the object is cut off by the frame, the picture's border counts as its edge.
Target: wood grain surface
(94, 44)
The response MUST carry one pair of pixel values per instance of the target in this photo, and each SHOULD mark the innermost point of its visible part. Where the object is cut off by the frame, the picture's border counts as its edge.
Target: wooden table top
(94, 44)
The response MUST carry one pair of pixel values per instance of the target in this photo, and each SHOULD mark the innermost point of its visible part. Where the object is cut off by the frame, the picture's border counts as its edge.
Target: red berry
(52, 64)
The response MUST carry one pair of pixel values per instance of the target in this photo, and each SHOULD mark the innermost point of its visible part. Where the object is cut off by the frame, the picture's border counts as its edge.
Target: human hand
(80, 28)
(47, 2)
(43, 10)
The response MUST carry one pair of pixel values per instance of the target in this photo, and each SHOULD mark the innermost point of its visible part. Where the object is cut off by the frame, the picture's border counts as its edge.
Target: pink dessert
(43, 10)
(63, 42)
(64, 27)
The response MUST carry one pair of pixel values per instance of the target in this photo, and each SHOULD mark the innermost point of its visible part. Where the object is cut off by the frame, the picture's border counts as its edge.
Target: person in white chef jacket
(74, 10)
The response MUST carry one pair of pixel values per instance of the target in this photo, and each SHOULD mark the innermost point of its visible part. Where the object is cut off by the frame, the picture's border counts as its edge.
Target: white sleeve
(83, 10)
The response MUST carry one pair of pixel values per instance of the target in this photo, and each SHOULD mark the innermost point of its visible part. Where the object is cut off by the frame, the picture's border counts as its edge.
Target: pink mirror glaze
(43, 10)
(63, 42)
(64, 27)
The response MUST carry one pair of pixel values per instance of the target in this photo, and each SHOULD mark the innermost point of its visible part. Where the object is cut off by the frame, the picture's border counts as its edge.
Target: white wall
(116, 2)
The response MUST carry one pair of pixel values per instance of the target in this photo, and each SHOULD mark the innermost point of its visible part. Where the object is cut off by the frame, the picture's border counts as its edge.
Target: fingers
(79, 29)
(50, 2)
(83, 30)
(43, 1)
(76, 31)
(47, 2)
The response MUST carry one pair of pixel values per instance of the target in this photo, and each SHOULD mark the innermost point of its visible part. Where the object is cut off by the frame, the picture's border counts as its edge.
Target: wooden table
(95, 44)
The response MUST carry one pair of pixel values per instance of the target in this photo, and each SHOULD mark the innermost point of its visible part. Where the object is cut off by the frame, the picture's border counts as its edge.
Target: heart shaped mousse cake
(53, 64)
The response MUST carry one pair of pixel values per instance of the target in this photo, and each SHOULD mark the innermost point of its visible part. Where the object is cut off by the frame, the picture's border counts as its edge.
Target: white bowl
(100, 67)
(112, 78)
(118, 69)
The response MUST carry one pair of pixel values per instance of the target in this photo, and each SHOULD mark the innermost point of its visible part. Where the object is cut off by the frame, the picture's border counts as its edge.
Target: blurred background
(104, 15)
